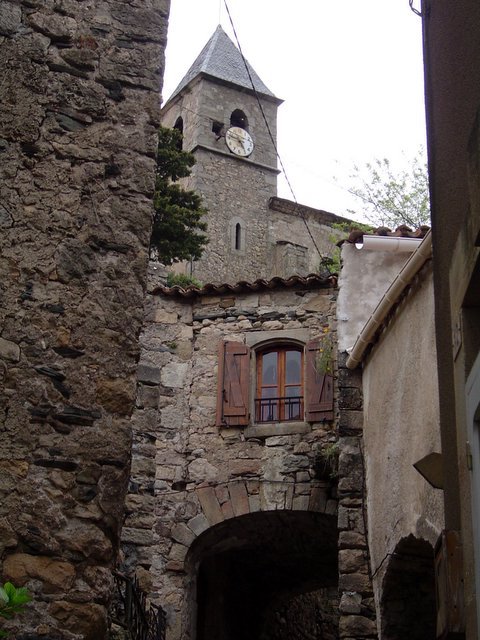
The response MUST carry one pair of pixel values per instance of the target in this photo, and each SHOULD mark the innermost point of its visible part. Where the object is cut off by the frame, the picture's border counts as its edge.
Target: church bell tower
(229, 125)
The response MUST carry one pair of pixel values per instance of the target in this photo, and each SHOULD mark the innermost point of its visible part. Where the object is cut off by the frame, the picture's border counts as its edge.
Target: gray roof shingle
(221, 59)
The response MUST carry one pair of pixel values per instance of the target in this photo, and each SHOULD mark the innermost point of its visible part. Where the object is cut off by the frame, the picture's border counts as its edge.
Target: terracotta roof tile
(400, 232)
(312, 281)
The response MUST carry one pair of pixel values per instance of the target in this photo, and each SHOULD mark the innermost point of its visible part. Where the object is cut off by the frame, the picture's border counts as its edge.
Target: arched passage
(408, 608)
(266, 575)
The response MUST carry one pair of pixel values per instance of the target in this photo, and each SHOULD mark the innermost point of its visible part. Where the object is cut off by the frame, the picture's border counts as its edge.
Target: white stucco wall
(401, 417)
(364, 278)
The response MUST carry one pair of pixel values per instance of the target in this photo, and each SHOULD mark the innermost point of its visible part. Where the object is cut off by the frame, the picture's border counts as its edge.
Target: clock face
(239, 141)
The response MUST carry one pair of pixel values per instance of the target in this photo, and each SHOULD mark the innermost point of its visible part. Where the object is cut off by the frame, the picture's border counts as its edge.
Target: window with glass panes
(279, 385)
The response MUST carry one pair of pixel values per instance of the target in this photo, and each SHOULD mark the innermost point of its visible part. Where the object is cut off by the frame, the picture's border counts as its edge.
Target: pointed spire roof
(221, 59)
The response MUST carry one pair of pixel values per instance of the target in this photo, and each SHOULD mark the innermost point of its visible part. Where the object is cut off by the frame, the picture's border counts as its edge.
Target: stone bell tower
(229, 126)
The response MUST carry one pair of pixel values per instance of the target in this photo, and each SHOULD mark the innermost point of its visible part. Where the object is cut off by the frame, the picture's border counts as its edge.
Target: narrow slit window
(179, 127)
(238, 236)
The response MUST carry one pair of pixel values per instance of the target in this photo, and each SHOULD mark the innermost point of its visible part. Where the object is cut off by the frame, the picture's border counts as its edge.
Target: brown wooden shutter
(233, 384)
(318, 388)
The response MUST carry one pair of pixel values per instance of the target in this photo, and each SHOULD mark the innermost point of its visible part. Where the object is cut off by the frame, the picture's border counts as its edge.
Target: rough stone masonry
(79, 92)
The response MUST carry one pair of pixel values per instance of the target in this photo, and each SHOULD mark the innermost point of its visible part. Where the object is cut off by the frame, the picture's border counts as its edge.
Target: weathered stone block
(350, 519)
(210, 505)
(117, 396)
(354, 582)
(300, 503)
(244, 467)
(350, 423)
(254, 503)
(198, 524)
(165, 317)
(351, 560)
(331, 507)
(87, 620)
(9, 350)
(201, 470)
(181, 533)
(351, 540)
(137, 536)
(350, 378)
(357, 627)
(147, 396)
(10, 18)
(173, 374)
(350, 398)
(56, 575)
(350, 602)
(318, 499)
(295, 463)
(239, 498)
(150, 375)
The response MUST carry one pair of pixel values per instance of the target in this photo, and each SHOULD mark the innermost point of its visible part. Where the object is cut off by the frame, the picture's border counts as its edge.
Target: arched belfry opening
(408, 604)
(239, 119)
(257, 575)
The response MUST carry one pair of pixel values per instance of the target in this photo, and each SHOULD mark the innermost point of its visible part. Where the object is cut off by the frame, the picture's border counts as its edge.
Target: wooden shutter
(233, 384)
(318, 388)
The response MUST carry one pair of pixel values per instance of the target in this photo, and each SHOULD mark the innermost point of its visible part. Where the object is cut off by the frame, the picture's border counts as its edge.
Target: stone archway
(210, 519)
(407, 606)
(265, 575)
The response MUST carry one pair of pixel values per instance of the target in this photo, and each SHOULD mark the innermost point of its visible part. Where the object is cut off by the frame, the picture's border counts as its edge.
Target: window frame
(318, 388)
(280, 409)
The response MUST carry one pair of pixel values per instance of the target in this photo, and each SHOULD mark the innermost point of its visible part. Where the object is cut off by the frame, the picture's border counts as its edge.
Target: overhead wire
(415, 11)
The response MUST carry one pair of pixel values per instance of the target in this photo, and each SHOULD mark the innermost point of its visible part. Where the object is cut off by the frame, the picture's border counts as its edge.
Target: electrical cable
(415, 11)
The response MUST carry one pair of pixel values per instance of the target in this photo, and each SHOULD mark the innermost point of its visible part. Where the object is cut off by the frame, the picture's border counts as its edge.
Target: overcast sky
(350, 73)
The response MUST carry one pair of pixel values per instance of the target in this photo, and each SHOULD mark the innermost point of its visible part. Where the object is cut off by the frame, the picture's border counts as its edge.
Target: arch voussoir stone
(241, 497)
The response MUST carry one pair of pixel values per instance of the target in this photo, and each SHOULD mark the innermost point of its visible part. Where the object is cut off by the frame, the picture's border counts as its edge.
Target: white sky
(350, 72)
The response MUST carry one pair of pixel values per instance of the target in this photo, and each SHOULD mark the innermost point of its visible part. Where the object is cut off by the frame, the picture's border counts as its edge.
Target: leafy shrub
(182, 280)
(12, 601)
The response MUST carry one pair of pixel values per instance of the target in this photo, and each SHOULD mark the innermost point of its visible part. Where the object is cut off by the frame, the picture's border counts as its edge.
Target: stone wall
(307, 617)
(80, 96)
(357, 606)
(189, 475)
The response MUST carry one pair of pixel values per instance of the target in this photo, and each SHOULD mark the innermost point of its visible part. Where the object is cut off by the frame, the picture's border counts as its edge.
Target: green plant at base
(12, 602)
(182, 280)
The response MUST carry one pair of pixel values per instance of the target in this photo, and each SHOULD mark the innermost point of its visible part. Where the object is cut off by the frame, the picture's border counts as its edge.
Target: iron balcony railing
(278, 409)
(130, 610)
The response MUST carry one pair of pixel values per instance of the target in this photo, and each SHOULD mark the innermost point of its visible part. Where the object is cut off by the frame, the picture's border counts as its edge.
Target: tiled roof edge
(402, 231)
(311, 281)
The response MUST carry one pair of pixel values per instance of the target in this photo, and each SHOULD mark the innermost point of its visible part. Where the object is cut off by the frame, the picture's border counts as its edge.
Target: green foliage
(393, 198)
(326, 463)
(324, 356)
(332, 263)
(182, 280)
(12, 601)
(177, 224)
